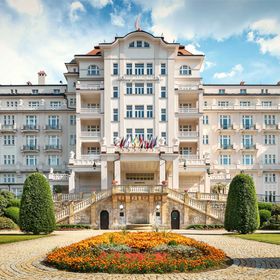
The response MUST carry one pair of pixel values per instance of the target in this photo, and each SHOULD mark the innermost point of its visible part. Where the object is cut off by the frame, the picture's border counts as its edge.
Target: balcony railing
(227, 127)
(249, 127)
(227, 147)
(53, 147)
(30, 127)
(188, 134)
(138, 189)
(188, 110)
(186, 88)
(249, 147)
(53, 127)
(91, 134)
(191, 160)
(30, 148)
(86, 160)
(271, 126)
(95, 110)
(8, 128)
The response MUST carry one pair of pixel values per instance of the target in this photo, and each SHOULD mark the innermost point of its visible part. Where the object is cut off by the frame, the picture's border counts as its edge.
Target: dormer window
(139, 44)
(131, 45)
(185, 70)
(93, 70)
(243, 91)
(146, 45)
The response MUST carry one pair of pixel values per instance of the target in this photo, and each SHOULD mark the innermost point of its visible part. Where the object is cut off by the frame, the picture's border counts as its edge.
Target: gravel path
(251, 259)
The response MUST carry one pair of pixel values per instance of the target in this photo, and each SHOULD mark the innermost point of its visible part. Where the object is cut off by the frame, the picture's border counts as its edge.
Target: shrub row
(202, 226)
(76, 226)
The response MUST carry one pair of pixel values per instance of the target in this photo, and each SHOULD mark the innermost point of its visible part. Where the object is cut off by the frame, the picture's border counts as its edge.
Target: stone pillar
(151, 210)
(104, 175)
(71, 213)
(164, 213)
(93, 217)
(175, 174)
(72, 182)
(78, 141)
(206, 183)
(117, 170)
(161, 171)
(115, 213)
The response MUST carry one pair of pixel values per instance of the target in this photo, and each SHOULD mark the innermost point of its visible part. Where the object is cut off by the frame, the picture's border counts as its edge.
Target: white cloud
(193, 48)
(207, 65)
(30, 7)
(75, 8)
(99, 4)
(237, 69)
(117, 19)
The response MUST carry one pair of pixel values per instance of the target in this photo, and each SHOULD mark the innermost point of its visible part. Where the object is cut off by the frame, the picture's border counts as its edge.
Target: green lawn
(9, 238)
(272, 238)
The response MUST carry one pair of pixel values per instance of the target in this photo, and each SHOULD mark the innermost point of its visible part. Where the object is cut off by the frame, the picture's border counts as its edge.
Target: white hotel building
(139, 85)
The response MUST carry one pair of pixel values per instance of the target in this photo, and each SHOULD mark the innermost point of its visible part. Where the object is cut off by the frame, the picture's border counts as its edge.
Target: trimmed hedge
(37, 208)
(242, 213)
(6, 223)
(12, 213)
(5, 198)
(14, 203)
(265, 205)
(264, 216)
(271, 226)
(202, 226)
(76, 226)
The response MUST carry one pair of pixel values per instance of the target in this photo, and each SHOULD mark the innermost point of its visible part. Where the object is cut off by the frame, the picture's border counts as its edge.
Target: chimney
(242, 83)
(41, 77)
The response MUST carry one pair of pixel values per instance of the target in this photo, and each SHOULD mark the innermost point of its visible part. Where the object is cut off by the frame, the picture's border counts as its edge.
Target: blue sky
(240, 38)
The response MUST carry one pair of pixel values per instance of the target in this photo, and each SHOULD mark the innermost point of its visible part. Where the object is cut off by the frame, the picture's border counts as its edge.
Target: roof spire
(137, 23)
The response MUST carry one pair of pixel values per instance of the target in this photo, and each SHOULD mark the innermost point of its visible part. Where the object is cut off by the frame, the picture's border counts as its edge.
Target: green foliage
(242, 213)
(264, 216)
(14, 203)
(6, 223)
(76, 226)
(12, 213)
(271, 226)
(275, 211)
(203, 226)
(5, 198)
(219, 188)
(172, 243)
(36, 209)
(265, 205)
(57, 189)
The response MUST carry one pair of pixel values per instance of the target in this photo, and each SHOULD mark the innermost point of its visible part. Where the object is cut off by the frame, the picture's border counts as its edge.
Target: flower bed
(139, 252)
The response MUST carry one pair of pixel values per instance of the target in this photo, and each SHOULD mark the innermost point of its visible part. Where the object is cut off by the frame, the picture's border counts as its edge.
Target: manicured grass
(272, 238)
(9, 238)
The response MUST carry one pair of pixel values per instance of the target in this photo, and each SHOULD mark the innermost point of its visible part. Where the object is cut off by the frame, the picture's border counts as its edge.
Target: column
(206, 183)
(117, 171)
(175, 173)
(104, 175)
(78, 138)
(72, 182)
(161, 171)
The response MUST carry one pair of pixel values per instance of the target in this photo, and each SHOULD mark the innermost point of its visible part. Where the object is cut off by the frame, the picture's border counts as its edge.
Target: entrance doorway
(175, 219)
(104, 220)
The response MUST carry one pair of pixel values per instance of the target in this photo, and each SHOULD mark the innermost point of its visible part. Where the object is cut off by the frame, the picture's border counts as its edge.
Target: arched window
(131, 45)
(93, 70)
(146, 45)
(185, 70)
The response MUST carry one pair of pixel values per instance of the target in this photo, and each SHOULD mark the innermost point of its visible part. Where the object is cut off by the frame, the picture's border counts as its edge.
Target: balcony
(90, 86)
(227, 147)
(186, 88)
(91, 135)
(85, 160)
(188, 135)
(96, 110)
(271, 127)
(53, 148)
(30, 128)
(249, 147)
(8, 128)
(191, 160)
(30, 148)
(53, 128)
(229, 127)
(249, 127)
(143, 77)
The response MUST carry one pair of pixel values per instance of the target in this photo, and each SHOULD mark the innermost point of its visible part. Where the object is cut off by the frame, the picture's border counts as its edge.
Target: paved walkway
(252, 260)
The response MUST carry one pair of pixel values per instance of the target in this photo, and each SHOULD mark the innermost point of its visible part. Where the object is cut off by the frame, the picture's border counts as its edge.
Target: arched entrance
(175, 219)
(104, 219)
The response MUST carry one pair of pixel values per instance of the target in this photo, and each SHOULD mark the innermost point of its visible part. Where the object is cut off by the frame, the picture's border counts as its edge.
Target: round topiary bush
(12, 213)
(264, 216)
(36, 209)
(242, 213)
(6, 223)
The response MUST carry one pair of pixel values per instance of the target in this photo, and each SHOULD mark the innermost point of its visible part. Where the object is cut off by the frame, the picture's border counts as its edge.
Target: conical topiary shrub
(242, 206)
(36, 209)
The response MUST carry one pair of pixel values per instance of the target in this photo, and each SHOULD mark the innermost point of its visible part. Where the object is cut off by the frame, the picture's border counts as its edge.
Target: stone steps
(139, 227)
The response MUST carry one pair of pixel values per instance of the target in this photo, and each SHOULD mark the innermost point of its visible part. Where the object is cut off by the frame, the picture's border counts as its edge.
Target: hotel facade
(135, 112)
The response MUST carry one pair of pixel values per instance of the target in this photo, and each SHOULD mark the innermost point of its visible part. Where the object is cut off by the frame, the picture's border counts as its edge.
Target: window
(185, 128)
(53, 141)
(115, 135)
(72, 101)
(139, 88)
(269, 139)
(149, 111)
(31, 160)
(129, 133)
(247, 141)
(149, 68)
(93, 128)
(31, 142)
(139, 132)
(164, 136)
(9, 178)
(9, 119)
(163, 115)
(35, 91)
(269, 159)
(55, 104)
(53, 122)
(12, 103)
(115, 68)
(150, 88)
(225, 159)
(185, 70)
(131, 45)
(205, 139)
(139, 68)
(139, 111)
(149, 133)
(222, 91)
(129, 69)
(266, 103)
(72, 139)
(115, 115)
(56, 91)
(264, 91)
(245, 103)
(139, 176)
(270, 196)
(247, 159)
(129, 111)
(9, 140)
(205, 103)
(270, 178)
(247, 121)
(243, 91)
(72, 119)
(163, 69)
(163, 92)
(115, 92)
(185, 151)
(128, 88)
(33, 104)
(9, 159)
(269, 119)
(225, 141)
(146, 45)
(93, 150)
(205, 119)
(31, 121)
(225, 121)
(53, 160)
(93, 70)
(223, 103)
(139, 44)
